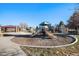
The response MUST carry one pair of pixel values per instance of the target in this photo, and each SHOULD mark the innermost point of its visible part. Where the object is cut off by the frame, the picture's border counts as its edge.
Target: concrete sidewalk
(8, 48)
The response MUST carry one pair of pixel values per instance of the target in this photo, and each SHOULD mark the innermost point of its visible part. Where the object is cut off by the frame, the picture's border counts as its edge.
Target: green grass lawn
(72, 50)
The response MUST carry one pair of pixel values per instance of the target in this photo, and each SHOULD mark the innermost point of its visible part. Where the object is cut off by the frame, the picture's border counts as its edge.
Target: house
(62, 27)
(9, 28)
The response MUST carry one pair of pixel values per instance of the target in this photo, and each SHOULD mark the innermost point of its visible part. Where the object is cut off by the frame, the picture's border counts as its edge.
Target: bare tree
(73, 22)
(23, 26)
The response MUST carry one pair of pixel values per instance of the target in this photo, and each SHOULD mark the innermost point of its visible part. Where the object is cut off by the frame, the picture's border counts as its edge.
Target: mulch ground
(42, 42)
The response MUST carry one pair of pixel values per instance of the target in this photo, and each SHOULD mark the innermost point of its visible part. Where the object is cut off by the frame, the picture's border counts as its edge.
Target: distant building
(9, 28)
(62, 28)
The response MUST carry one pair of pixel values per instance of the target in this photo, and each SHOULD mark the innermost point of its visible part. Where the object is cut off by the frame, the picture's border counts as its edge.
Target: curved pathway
(8, 48)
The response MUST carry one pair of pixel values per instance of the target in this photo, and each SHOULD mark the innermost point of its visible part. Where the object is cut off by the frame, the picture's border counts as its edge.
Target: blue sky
(35, 13)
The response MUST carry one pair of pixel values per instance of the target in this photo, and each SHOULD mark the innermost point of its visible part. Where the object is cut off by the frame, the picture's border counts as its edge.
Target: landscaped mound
(43, 41)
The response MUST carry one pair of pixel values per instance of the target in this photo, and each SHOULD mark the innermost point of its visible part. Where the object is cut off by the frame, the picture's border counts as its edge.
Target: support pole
(17, 29)
(1, 34)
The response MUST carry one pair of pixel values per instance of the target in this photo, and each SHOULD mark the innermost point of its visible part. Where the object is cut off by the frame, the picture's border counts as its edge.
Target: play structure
(44, 31)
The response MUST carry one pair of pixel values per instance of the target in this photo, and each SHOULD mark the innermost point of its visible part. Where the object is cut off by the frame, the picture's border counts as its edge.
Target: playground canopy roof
(44, 23)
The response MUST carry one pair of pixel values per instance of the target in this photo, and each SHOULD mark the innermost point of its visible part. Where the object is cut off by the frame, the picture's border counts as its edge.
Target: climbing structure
(44, 30)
